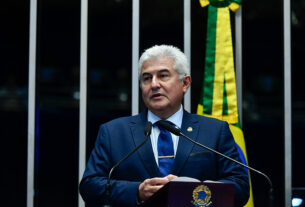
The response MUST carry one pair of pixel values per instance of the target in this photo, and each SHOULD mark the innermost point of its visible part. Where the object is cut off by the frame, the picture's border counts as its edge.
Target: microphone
(175, 130)
(147, 132)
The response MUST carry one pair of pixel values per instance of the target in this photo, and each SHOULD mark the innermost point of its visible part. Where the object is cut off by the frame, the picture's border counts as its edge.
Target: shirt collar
(176, 118)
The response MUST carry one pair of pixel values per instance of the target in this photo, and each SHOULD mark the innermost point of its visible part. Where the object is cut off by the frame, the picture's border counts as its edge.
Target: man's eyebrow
(160, 71)
(145, 74)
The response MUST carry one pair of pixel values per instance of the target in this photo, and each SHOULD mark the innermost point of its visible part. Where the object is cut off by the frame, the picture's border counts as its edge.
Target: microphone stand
(108, 186)
(177, 131)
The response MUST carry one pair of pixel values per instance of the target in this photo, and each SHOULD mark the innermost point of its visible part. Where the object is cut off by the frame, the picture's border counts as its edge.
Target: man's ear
(186, 82)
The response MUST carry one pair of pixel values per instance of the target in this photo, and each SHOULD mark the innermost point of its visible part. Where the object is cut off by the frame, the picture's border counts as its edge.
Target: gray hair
(181, 65)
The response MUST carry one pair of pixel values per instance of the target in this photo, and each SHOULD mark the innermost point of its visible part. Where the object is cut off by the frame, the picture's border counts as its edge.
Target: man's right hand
(150, 186)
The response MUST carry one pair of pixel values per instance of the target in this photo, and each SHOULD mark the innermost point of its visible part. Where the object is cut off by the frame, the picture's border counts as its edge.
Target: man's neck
(165, 114)
(175, 118)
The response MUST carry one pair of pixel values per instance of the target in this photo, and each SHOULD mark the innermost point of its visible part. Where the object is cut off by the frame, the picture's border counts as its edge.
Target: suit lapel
(190, 128)
(145, 152)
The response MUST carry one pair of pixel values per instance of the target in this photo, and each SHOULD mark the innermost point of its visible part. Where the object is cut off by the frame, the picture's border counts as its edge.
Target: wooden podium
(200, 194)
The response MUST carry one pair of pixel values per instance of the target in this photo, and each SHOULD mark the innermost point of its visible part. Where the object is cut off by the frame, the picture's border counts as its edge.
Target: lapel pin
(189, 129)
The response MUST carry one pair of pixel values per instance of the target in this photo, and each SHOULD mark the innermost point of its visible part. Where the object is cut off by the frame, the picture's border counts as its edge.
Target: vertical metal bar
(187, 46)
(135, 57)
(31, 105)
(238, 60)
(287, 102)
(83, 93)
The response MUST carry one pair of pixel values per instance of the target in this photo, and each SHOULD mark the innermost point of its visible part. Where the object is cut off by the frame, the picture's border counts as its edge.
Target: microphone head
(147, 129)
(169, 127)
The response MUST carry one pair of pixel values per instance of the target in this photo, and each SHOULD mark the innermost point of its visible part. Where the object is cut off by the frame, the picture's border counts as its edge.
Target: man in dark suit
(164, 79)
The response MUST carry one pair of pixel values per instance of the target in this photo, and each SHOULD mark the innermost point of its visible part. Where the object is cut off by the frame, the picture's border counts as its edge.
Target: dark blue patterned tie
(165, 151)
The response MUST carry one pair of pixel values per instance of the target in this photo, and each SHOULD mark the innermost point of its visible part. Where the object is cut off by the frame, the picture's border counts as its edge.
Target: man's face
(162, 91)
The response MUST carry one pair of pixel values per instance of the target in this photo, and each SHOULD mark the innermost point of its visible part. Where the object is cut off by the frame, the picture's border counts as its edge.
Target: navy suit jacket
(120, 136)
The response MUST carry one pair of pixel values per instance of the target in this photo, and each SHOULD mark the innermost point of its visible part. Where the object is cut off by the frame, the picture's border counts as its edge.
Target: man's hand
(149, 186)
(170, 177)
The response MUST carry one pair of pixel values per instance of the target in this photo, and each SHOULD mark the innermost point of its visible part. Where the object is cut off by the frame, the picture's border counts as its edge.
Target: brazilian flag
(218, 98)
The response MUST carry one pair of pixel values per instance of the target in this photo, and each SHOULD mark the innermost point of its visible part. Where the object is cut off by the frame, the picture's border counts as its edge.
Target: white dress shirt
(175, 119)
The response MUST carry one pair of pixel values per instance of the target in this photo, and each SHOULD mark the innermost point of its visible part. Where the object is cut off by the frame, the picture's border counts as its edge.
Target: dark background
(109, 86)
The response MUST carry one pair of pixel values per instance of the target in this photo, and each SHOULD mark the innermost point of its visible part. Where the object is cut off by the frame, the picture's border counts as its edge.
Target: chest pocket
(201, 164)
